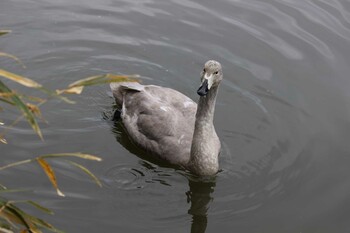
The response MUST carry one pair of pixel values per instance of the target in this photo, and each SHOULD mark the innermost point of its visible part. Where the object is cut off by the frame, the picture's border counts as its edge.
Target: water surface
(283, 112)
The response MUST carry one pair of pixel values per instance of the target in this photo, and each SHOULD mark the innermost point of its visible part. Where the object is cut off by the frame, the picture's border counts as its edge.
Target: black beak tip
(203, 89)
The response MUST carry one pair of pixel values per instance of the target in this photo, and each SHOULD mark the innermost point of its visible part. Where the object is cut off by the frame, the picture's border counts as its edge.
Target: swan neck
(206, 107)
(205, 143)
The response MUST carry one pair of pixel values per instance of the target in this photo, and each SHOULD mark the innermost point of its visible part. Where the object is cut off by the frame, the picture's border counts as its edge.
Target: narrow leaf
(35, 222)
(19, 79)
(41, 223)
(23, 107)
(13, 215)
(40, 207)
(84, 169)
(79, 155)
(4, 230)
(50, 174)
(15, 164)
(56, 95)
(7, 101)
(34, 109)
(4, 32)
(12, 57)
(7, 94)
(13, 190)
(6, 216)
(32, 98)
(106, 78)
(4, 97)
(31, 225)
(72, 90)
(3, 140)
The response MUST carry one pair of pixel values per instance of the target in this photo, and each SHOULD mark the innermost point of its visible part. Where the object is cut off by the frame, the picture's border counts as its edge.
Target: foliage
(12, 218)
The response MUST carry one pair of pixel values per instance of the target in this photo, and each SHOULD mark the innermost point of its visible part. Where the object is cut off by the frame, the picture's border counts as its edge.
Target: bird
(170, 126)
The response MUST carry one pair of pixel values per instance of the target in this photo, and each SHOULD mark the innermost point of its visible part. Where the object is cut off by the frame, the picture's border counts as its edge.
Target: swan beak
(203, 89)
(206, 85)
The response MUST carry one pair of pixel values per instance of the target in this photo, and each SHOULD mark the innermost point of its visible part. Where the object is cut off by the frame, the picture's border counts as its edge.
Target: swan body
(171, 126)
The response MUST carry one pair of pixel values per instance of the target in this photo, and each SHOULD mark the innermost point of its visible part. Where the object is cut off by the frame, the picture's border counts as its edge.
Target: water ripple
(125, 177)
(286, 23)
(264, 35)
(320, 16)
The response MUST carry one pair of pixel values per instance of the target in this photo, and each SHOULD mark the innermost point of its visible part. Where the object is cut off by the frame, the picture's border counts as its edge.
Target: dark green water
(283, 112)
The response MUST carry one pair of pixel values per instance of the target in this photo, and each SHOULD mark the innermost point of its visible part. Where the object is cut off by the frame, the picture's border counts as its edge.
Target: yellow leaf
(79, 155)
(3, 140)
(33, 98)
(7, 94)
(73, 90)
(10, 218)
(34, 109)
(106, 78)
(4, 230)
(50, 174)
(19, 79)
(13, 57)
(17, 101)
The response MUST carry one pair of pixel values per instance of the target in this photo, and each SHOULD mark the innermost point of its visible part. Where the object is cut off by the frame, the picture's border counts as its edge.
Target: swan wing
(161, 121)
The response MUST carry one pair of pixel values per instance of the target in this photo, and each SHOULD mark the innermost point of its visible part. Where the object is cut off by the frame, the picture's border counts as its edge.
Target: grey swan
(169, 125)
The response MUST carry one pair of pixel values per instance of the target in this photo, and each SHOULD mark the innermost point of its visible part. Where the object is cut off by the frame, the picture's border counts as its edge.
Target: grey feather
(163, 122)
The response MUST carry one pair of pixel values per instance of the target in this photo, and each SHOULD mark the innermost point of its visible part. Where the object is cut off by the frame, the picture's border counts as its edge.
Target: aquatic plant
(13, 218)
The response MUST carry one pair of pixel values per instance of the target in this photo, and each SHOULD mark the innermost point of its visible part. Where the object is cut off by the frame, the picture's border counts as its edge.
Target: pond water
(283, 112)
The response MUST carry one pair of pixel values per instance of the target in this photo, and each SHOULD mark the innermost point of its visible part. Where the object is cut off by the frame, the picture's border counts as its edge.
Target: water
(283, 112)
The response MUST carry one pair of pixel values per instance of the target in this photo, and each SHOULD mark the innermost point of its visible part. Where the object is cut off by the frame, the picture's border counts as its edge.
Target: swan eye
(216, 72)
(204, 70)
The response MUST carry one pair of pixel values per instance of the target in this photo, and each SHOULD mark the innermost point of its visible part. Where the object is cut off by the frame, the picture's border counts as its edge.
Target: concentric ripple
(125, 177)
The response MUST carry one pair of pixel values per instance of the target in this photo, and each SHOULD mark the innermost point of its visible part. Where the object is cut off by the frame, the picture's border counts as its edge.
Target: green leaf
(79, 155)
(13, 190)
(41, 223)
(38, 206)
(12, 213)
(33, 222)
(4, 32)
(23, 107)
(16, 164)
(7, 101)
(59, 155)
(37, 222)
(84, 169)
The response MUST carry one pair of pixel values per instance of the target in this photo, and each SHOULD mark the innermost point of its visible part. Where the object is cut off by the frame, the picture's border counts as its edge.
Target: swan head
(211, 76)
